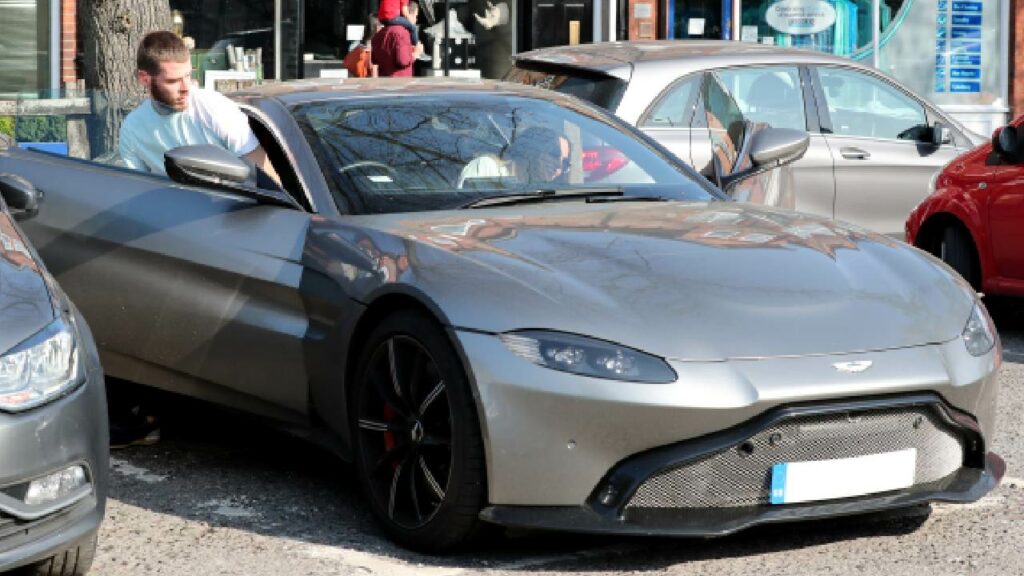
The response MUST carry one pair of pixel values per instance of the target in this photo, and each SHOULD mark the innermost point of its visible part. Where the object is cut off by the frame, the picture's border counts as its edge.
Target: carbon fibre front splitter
(966, 485)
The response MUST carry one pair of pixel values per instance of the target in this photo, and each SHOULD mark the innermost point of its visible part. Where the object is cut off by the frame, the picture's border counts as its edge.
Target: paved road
(223, 496)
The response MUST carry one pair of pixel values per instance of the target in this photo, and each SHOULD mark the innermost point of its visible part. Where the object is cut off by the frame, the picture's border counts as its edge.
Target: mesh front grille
(741, 475)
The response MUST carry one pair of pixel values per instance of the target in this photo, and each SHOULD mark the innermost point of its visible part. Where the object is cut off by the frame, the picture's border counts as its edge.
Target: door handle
(851, 153)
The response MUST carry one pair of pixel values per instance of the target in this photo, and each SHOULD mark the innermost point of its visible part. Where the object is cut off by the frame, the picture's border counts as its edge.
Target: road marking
(141, 474)
(1007, 480)
(586, 554)
(230, 508)
(374, 564)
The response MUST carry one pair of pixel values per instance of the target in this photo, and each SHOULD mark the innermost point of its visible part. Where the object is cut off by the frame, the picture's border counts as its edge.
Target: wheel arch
(377, 308)
(929, 238)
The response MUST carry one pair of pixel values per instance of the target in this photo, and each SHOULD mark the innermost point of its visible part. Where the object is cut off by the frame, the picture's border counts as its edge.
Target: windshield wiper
(542, 196)
(604, 199)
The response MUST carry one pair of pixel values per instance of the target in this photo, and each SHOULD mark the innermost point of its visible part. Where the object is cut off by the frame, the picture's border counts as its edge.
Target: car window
(429, 152)
(594, 87)
(725, 123)
(860, 105)
(675, 107)
(767, 95)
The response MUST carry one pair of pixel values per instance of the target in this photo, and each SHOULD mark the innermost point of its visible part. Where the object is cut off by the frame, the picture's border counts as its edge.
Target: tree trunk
(111, 31)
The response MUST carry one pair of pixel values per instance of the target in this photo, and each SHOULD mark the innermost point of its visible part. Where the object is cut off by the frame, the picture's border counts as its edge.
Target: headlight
(588, 357)
(40, 369)
(979, 334)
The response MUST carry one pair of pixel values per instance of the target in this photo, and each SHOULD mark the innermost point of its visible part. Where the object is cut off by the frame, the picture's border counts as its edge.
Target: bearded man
(177, 114)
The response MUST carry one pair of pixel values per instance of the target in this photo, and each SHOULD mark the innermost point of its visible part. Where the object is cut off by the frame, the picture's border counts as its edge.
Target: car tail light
(602, 161)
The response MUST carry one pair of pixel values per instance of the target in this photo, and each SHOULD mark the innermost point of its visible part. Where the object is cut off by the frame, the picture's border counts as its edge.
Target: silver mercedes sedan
(507, 306)
(874, 143)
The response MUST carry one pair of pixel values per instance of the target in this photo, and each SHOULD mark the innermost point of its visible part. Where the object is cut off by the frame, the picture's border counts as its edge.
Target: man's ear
(144, 78)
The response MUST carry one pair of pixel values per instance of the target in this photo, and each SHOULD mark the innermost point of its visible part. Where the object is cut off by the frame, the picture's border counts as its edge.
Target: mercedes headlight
(979, 334)
(40, 369)
(588, 357)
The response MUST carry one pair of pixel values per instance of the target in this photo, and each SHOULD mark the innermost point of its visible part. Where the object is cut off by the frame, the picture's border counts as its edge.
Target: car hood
(25, 306)
(705, 281)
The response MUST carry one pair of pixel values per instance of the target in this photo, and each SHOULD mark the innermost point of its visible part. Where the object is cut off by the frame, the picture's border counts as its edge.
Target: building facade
(965, 55)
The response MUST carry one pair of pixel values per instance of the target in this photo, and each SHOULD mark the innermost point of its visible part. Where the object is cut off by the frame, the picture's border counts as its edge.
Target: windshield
(436, 152)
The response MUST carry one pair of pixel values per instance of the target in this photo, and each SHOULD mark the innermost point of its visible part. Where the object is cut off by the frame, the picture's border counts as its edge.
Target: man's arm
(259, 158)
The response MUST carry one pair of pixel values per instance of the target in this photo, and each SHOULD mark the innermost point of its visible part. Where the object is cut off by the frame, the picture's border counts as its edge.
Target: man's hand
(260, 159)
(417, 49)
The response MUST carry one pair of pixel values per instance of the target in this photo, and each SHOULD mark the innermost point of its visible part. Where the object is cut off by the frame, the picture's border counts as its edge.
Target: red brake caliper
(389, 436)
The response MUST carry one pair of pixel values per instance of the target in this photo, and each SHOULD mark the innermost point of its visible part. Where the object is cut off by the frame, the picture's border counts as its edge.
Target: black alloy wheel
(418, 448)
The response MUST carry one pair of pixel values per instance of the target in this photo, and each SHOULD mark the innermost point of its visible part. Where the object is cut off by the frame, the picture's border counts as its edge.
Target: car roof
(617, 58)
(295, 92)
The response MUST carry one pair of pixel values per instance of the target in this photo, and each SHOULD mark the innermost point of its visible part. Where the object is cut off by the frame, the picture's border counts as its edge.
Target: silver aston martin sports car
(507, 306)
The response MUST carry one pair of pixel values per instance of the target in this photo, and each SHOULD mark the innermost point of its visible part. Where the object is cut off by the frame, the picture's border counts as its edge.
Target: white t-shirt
(484, 167)
(210, 118)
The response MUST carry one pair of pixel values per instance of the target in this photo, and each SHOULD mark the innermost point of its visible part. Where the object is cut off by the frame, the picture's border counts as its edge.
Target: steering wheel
(369, 164)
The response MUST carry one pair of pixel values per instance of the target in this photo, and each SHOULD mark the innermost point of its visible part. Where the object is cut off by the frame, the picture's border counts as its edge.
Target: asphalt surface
(224, 495)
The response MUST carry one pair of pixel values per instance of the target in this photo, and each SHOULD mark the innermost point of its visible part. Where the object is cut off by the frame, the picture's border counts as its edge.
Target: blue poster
(972, 7)
(965, 59)
(966, 19)
(967, 45)
(968, 73)
(965, 86)
(966, 32)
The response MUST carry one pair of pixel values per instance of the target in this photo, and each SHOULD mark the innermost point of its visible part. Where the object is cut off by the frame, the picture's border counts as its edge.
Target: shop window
(24, 46)
(860, 105)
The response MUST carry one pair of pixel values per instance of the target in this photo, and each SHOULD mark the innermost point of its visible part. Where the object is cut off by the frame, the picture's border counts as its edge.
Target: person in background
(397, 13)
(393, 50)
(357, 61)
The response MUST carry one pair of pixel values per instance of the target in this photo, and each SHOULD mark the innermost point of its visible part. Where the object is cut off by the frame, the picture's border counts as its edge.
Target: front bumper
(551, 438)
(967, 485)
(68, 431)
(731, 493)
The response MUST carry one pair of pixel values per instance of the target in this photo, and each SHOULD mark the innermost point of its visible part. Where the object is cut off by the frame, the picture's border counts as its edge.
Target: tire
(416, 436)
(74, 561)
(957, 250)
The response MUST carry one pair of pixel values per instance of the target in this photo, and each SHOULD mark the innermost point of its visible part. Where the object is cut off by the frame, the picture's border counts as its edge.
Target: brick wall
(68, 40)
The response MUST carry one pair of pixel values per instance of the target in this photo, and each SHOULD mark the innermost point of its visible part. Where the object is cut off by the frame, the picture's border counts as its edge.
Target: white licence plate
(828, 479)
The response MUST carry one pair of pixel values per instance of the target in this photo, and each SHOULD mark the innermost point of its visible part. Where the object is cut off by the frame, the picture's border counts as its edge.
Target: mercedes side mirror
(1006, 143)
(940, 134)
(213, 166)
(770, 148)
(20, 195)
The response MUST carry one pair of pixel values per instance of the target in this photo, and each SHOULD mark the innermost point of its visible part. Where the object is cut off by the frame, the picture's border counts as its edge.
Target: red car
(974, 218)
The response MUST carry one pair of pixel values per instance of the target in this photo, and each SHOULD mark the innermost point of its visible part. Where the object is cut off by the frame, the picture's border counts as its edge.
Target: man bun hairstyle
(160, 46)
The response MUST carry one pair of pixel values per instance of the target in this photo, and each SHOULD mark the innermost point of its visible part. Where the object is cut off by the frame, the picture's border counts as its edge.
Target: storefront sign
(801, 16)
(958, 41)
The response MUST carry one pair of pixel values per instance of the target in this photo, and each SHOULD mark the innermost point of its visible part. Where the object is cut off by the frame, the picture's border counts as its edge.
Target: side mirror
(1005, 143)
(940, 134)
(770, 148)
(205, 165)
(209, 165)
(20, 195)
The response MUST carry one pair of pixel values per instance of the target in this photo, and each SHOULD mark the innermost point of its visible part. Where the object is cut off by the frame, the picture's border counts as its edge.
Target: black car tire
(957, 250)
(74, 561)
(418, 450)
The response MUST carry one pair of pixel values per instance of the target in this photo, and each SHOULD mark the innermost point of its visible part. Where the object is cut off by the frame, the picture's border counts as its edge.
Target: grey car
(53, 417)
(506, 305)
(874, 144)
